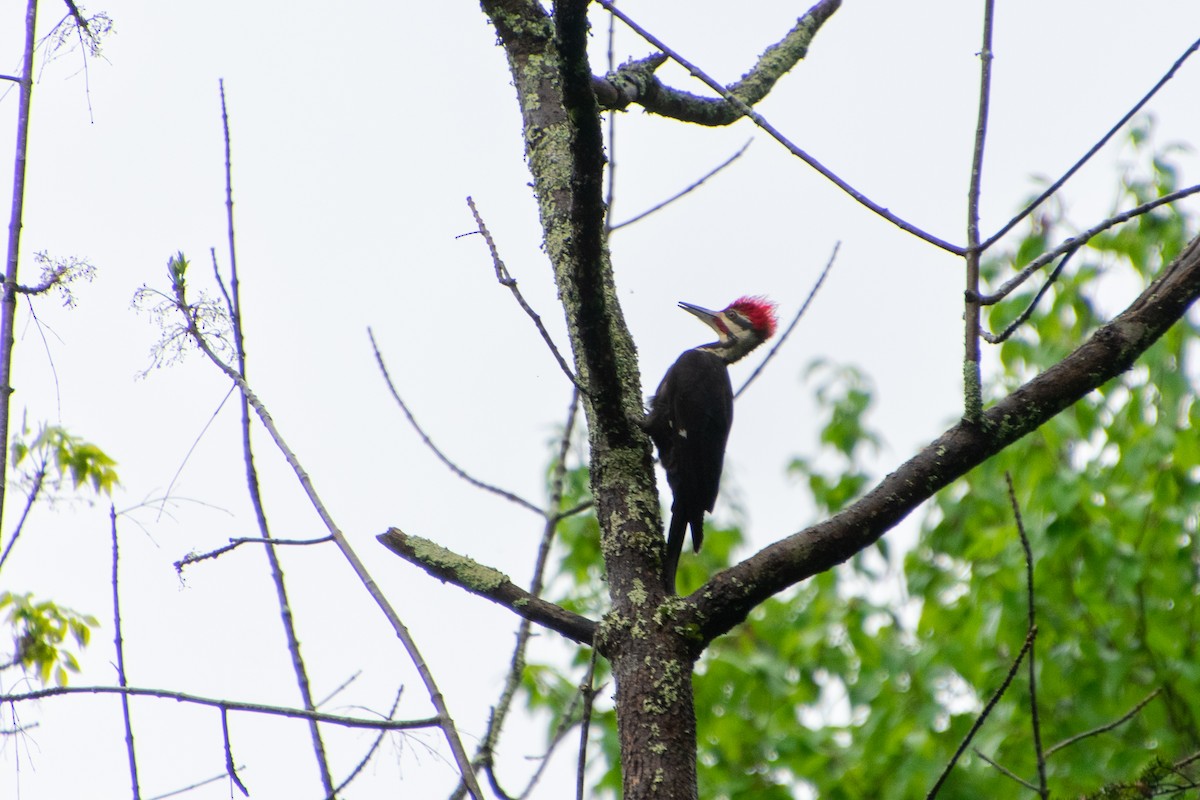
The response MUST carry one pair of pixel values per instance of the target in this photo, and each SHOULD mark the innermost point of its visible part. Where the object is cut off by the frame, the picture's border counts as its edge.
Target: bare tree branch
(745, 110)
(1042, 790)
(35, 489)
(192, 558)
(227, 705)
(485, 752)
(505, 279)
(233, 300)
(487, 582)
(230, 769)
(446, 722)
(693, 186)
(1054, 187)
(1107, 726)
(983, 715)
(635, 81)
(190, 787)
(1075, 242)
(119, 643)
(358, 768)
(972, 380)
(1005, 771)
(997, 338)
(791, 325)
(457, 470)
(8, 301)
(589, 697)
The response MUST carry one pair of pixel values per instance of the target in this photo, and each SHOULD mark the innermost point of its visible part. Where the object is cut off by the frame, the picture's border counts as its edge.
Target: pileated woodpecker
(692, 411)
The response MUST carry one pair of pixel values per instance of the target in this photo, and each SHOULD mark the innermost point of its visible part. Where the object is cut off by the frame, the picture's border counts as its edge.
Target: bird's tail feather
(675, 534)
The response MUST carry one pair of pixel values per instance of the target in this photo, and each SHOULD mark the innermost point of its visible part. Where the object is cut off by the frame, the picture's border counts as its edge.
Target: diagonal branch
(505, 279)
(983, 715)
(691, 187)
(635, 81)
(998, 338)
(457, 470)
(791, 325)
(745, 110)
(446, 722)
(1054, 187)
(488, 583)
(730, 595)
(1108, 726)
(1075, 242)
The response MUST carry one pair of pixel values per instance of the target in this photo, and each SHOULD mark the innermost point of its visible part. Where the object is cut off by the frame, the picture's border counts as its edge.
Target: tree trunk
(652, 664)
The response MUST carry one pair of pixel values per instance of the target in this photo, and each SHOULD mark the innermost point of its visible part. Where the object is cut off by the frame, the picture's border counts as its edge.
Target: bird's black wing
(689, 422)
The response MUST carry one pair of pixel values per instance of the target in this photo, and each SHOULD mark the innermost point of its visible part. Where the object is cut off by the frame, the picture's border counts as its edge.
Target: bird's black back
(689, 421)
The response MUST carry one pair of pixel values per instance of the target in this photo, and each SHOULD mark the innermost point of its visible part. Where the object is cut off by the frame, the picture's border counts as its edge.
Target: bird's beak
(710, 318)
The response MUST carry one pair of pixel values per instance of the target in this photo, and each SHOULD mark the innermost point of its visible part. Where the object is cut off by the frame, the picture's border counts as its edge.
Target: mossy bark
(565, 151)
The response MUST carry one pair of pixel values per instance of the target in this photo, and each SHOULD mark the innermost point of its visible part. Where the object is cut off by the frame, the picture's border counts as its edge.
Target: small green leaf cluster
(71, 455)
(41, 629)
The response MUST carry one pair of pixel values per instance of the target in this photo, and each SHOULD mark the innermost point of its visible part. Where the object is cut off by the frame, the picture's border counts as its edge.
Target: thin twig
(565, 723)
(457, 470)
(972, 377)
(46, 285)
(8, 298)
(987, 709)
(188, 455)
(339, 688)
(230, 769)
(997, 338)
(589, 696)
(1077, 241)
(762, 123)
(610, 193)
(1043, 791)
(197, 785)
(1107, 726)
(38, 478)
(445, 721)
(354, 773)
(683, 192)
(487, 746)
(233, 300)
(227, 705)
(192, 558)
(119, 641)
(1054, 187)
(788, 331)
(505, 279)
(1006, 772)
(578, 508)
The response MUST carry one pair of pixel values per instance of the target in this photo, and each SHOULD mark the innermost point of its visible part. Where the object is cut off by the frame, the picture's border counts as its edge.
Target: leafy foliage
(40, 630)
(72, 457)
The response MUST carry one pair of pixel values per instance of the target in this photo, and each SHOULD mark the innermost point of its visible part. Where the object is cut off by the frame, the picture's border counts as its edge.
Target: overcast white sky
(358, 132)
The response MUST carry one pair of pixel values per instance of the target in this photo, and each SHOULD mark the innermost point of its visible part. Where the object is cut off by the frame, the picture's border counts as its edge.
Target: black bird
(692, 411)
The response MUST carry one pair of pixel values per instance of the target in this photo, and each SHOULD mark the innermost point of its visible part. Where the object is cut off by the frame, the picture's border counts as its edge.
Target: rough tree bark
(548, 58)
